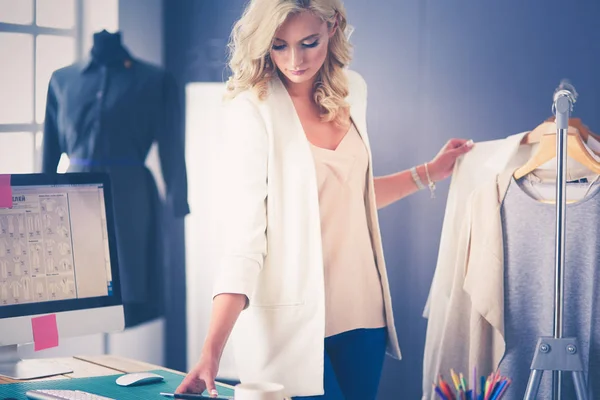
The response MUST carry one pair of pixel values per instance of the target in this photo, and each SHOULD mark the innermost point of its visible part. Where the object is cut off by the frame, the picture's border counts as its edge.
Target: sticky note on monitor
(5, 192)
(45, 332)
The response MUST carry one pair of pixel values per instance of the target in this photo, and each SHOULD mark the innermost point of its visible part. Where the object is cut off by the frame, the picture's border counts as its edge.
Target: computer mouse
(139, 378)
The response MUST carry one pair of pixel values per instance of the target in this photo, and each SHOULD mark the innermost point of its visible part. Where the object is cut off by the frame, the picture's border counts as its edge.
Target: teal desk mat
(104, 386)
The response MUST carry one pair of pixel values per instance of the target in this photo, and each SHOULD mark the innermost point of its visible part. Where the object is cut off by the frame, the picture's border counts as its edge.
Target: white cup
(259, 391)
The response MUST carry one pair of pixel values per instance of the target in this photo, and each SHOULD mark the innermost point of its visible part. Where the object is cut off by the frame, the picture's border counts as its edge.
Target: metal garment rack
(557, 353)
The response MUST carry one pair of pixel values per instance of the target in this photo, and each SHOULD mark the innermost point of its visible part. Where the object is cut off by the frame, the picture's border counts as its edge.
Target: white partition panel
(203, 102)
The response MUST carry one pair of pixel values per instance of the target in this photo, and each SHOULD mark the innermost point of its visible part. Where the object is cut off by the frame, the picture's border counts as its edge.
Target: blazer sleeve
(243, 163)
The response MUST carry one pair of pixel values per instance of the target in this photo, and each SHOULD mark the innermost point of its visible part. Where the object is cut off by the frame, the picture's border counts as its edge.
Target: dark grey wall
(436, 70)
(196, 34)
(142, 25)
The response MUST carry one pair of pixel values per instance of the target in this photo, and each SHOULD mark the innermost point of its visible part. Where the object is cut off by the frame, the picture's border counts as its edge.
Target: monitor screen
(54, 246)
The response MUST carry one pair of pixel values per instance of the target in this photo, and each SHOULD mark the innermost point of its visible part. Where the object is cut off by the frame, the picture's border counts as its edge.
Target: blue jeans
(353, 363)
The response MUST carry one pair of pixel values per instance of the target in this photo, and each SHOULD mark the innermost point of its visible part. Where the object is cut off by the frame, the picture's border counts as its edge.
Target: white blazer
(443, 349)
(272, 239)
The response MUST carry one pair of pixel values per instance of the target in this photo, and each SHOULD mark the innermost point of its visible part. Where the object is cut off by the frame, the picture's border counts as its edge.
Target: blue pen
(496, 395)
(474, 392)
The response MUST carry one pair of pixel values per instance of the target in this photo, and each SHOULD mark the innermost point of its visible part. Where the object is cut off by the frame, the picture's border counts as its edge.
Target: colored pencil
(499, 390)
(455, 379)
(439, 392)
(446, 388)
(492, 388)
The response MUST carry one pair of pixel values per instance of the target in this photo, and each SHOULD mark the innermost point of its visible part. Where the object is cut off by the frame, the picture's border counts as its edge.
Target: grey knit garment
(529, 228)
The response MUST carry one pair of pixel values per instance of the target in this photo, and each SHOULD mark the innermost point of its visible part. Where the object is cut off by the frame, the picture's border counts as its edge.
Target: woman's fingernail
(469, 142)
(214, 391)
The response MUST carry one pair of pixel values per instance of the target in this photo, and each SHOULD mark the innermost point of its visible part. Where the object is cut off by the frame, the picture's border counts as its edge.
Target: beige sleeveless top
(353, 295)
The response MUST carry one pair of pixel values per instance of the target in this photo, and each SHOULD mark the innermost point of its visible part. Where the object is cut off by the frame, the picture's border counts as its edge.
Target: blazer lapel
(359, 116)
(285, 112)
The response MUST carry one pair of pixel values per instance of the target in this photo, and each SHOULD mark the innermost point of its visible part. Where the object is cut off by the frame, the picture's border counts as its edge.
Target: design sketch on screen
(54, 245)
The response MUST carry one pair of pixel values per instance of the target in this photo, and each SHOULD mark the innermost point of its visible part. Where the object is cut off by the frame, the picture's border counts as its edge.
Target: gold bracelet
(430, 183)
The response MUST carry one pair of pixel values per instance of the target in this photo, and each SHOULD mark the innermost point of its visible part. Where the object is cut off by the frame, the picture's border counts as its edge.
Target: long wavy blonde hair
(252, 39)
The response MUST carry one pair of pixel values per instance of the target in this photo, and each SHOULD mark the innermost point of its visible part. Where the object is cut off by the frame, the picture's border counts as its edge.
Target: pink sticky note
(45, 332)
(5, 192)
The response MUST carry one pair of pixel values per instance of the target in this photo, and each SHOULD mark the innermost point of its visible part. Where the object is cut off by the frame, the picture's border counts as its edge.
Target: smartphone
(192, 396)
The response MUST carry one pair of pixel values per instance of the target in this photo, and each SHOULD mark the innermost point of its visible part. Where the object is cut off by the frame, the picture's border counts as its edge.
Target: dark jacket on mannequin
(105, 113)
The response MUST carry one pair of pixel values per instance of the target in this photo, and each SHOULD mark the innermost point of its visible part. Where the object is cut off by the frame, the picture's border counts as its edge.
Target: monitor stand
(11, 366)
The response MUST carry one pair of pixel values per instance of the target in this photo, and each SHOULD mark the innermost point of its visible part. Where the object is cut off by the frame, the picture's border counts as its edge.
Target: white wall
(144, 342)
(202, 115)
(98, 15)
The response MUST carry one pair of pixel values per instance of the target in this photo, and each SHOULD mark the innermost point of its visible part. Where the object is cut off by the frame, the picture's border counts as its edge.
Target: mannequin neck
(108, 49)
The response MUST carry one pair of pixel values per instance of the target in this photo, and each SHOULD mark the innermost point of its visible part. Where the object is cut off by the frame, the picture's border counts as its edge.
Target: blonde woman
(303, 277)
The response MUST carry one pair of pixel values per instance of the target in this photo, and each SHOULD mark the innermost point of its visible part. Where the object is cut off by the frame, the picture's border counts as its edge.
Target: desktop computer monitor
(58, 260)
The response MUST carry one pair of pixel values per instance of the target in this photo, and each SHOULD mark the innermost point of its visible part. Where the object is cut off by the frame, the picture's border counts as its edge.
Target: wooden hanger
(549, 127)
(576, 148)
(583, 129)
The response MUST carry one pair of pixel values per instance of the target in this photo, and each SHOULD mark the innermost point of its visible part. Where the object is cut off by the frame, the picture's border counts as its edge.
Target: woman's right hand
(226, 309)
(201, 377)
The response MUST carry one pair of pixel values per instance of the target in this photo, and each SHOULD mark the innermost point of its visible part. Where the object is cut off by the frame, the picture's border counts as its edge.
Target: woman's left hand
(442, 165)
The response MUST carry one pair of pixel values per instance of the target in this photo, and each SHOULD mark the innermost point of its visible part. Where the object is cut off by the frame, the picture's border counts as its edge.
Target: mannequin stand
(558, 354)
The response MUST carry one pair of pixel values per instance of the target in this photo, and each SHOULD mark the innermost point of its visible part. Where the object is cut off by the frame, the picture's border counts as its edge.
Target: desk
(90, 366)
(102, 365)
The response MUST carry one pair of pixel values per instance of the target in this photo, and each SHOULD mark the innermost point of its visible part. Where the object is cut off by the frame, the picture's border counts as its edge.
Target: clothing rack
(556, 353)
